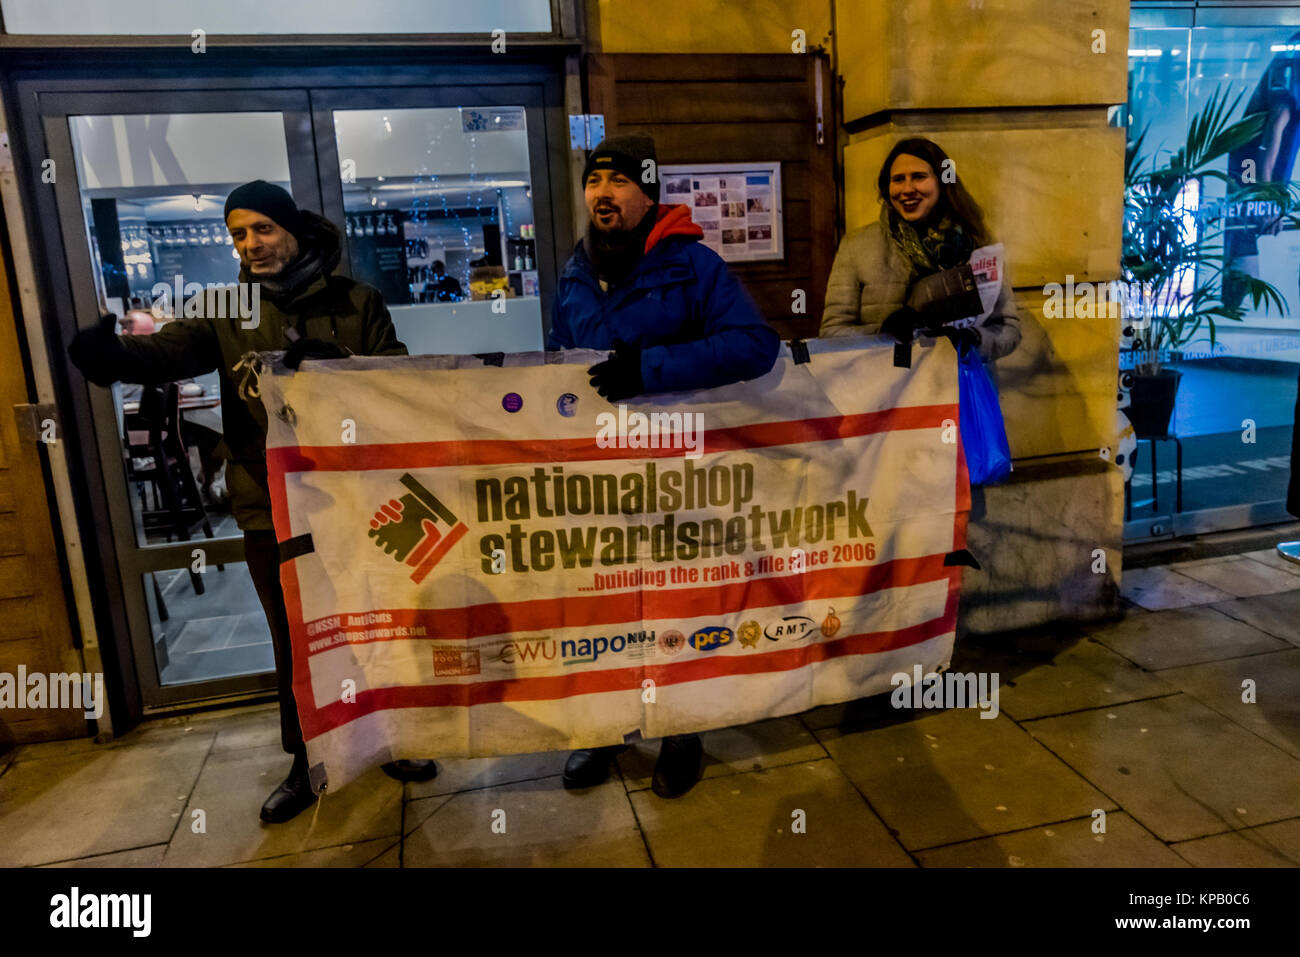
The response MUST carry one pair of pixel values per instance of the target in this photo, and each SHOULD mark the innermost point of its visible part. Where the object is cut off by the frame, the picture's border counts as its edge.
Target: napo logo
(710, 639)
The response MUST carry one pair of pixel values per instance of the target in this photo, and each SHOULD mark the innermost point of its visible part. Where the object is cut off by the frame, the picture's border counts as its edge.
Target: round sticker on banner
(566, 405)
(512, 402)
(671, 642)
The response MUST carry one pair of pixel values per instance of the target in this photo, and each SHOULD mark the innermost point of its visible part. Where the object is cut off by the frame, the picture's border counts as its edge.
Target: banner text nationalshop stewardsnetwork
(550, 493)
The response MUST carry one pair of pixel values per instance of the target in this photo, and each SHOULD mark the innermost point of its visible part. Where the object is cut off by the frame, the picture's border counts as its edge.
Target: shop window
(439, 217)
(1236, 390)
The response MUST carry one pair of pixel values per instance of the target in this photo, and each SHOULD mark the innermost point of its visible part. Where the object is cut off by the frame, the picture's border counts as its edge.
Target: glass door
(143, 229)
(444, 201)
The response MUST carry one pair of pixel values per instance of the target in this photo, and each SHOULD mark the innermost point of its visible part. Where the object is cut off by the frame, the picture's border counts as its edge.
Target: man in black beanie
(287, 255)
(642, 284)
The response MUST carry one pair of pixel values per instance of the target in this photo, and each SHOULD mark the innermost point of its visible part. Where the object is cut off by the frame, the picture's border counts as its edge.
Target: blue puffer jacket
(695, 324)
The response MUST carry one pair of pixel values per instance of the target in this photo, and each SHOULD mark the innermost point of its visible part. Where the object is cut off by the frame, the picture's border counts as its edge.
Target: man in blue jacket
(642, 284)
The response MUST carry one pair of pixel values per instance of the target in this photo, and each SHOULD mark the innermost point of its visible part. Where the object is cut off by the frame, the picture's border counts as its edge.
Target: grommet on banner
(295, 547)
(286, 414)
(497, 359)
(799, 350)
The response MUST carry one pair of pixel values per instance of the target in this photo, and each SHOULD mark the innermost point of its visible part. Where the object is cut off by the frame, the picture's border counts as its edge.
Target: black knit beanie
(269, 200)
(627, 154)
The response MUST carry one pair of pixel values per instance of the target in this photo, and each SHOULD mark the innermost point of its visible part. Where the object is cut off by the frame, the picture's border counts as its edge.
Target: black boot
(678, 767)
(292, 797)
(588, 767)
(419, 769)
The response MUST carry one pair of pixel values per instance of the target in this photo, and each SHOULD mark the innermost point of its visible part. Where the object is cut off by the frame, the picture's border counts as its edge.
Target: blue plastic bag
(983, 431)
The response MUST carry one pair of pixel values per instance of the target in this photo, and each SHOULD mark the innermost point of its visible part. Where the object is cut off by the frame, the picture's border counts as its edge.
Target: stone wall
(1018, 92)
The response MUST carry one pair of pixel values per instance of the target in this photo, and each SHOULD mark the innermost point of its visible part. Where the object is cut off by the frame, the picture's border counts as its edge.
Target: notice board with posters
(738, 205)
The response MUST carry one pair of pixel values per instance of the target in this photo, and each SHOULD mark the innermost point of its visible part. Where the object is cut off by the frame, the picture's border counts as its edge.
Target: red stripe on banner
(521, 617)
(555, 687)
(414, 455)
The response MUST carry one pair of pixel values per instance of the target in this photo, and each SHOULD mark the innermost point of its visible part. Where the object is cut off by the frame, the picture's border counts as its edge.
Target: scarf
(616, 253)
(939, 244)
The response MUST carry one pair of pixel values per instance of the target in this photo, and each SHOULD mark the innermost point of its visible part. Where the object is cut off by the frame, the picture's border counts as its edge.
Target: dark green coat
(349, 312)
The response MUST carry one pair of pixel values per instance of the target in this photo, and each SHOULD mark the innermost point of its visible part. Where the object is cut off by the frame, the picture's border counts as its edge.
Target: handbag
(983, 431)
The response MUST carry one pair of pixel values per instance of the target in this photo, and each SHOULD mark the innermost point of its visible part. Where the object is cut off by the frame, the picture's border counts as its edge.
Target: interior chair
(178, 510)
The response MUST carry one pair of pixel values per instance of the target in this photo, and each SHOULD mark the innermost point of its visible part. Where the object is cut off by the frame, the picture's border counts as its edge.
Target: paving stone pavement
(1167, 737)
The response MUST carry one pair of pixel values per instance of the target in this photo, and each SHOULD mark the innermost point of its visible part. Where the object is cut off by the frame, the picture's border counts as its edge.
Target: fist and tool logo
(416, 529)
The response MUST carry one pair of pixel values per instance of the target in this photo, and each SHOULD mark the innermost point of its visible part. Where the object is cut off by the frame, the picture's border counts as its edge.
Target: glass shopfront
(1223, 460)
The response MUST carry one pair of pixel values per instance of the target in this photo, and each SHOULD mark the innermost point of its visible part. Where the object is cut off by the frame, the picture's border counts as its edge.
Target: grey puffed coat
(870, 280)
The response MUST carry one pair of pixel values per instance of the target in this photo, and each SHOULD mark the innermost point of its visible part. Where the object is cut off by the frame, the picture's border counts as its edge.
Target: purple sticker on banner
(512, 402)
(565, 405)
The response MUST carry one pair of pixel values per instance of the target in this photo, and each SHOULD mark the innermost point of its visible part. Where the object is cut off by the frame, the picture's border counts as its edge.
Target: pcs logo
(710, 639)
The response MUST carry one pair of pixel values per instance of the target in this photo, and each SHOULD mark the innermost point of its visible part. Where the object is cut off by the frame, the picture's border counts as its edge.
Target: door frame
(224, 81)
(131, 559)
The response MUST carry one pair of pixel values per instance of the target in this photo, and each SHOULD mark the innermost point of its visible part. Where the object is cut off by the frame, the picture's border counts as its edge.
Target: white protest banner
(483, 560)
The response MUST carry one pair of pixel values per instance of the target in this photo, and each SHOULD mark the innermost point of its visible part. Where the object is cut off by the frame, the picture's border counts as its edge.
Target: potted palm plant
(1174, 262)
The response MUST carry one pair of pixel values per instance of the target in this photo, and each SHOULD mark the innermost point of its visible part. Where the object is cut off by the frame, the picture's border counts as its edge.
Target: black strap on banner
(799, 349)
(961, 557)
(296, 547)
(902, 355)
(497, 359)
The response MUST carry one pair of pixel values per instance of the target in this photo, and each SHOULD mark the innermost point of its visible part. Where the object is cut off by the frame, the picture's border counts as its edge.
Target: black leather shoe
(422, 769)
(588, 767)
(291, 798)
(678, 766)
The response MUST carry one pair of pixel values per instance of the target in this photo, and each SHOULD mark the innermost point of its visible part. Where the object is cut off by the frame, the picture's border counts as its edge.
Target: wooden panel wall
(734, 109)
(35, 630)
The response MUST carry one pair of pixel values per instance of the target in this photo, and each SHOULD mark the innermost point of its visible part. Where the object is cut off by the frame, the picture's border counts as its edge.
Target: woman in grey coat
(928, 222)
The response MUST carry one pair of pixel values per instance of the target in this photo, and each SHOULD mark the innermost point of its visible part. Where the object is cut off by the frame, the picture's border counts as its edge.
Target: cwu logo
(416, 529)
(710, 639)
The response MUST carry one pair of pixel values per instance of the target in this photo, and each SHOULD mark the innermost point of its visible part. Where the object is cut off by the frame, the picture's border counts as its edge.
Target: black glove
(963, 338)
(619, 376)
(313, 349)
(98, 352)
(902, 323)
